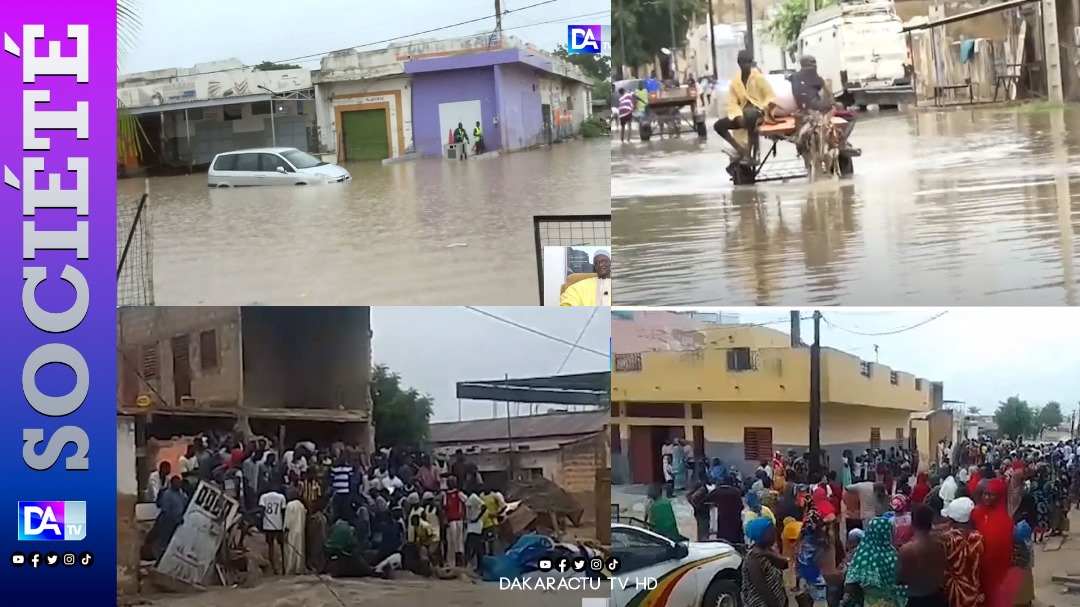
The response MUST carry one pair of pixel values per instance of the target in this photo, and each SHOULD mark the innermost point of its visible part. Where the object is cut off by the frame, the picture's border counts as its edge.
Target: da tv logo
(52, 521)
(583, 39)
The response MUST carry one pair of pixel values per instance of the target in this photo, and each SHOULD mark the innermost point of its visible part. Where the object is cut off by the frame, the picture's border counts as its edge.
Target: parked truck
(861, 52)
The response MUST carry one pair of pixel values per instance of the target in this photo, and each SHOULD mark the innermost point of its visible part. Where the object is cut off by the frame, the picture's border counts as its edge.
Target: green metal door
(365, 135)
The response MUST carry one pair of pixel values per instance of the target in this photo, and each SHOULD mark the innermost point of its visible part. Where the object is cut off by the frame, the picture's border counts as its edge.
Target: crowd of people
(337, 510)
(881, 530)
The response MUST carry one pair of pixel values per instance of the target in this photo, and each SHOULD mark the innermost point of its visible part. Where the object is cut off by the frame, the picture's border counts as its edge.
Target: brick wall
(154, 327)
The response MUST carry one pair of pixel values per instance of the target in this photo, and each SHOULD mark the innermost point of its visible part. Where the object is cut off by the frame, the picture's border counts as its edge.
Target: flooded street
(310, 591)
(430, 232)
(954, 207)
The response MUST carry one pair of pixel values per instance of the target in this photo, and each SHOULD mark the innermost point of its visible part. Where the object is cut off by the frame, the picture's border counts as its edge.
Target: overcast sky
(434, 348)
(984, 355)
(253, 31)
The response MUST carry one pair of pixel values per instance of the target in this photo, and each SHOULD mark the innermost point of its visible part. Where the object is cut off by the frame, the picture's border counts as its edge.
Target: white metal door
(450, 114)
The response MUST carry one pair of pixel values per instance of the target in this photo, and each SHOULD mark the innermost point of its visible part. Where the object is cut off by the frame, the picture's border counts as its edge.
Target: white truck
(861, 52)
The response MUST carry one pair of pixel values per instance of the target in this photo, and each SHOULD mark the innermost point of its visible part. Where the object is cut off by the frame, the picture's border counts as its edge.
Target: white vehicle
(691, 574)
(860, 51)
(272, 166)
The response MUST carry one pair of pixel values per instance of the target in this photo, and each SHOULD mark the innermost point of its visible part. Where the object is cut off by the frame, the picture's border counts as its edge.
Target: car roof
(257, 150)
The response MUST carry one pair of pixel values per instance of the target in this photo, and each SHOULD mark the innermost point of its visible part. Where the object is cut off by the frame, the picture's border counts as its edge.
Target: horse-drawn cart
(807, 162)
(665, 114)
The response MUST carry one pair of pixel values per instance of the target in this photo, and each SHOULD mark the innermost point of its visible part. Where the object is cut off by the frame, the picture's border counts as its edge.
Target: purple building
(518, 97)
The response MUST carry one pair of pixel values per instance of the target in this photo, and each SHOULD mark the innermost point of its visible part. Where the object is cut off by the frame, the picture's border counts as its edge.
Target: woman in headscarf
(661, 516)
(1040, 491)
(678, 467)
(871, 577)
(963, 555)
(901, 520)
(762, 570)
(813, 542)
(1020, 584)
(755, 509)
(992, 520)
(921, 489)
(974, 476)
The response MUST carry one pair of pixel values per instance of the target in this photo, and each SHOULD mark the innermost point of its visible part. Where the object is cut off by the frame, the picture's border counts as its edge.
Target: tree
(1015, 418)
(1049, 416)
(646, 25)
(267, 66)
(597, 67)
(129, 134)
(401, 414)
(973, 410)
(785, 27)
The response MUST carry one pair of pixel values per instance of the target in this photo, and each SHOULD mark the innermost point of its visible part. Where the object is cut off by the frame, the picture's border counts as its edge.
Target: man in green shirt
(461, 138)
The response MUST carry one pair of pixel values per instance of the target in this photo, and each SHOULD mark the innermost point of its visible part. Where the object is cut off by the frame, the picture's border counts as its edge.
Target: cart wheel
(741, 173)
(845, 165)
(702, 130)
(645, 131)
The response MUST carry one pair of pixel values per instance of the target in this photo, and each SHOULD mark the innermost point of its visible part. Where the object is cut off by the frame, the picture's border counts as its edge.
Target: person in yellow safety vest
(641, 102)
(478, 138)
(461, 138)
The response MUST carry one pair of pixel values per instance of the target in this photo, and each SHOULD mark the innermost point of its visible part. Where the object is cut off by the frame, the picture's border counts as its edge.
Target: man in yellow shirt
(591, 291)
(750, 102)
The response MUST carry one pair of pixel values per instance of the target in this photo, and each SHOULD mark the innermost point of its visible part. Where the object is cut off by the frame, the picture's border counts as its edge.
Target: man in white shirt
(474, 530)
(272, 508)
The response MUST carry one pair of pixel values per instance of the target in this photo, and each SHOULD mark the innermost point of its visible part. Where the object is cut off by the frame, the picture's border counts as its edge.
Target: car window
(270, 163)
(247, 162)
(225, 163)
(302, 160)
(636, 550)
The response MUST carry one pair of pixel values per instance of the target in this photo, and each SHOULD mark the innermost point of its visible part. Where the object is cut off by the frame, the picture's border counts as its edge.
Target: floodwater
(323, 591)
(962, 207)
(430, 232)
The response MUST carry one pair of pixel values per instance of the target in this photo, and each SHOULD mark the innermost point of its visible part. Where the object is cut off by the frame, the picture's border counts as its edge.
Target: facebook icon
(583, 39)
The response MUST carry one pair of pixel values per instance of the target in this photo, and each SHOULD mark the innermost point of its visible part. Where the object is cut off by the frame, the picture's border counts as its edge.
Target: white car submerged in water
(657, 572)
(271, 166)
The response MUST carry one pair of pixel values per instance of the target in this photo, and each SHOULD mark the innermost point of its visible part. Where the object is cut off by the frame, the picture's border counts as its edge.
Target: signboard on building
(194, 546)
(178, 92)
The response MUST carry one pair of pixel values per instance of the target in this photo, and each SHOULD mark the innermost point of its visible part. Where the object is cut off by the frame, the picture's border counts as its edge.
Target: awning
(575, 389)
(979, 12)
(198, 104)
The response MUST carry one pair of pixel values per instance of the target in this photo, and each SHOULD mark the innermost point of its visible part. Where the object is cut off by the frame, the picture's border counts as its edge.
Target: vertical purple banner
(58, 314)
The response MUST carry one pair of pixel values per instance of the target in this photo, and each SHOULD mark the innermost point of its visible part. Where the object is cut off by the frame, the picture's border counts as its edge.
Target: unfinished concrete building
(293, 373)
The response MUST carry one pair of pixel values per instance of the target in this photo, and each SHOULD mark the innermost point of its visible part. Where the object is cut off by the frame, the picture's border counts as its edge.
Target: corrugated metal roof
(527, 427)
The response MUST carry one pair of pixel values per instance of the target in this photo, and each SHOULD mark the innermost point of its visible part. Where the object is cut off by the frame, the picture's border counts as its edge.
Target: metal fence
(568, 231)
(134, 252)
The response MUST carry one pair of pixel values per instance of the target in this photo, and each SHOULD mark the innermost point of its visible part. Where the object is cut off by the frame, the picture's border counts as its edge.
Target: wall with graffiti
(222, 84)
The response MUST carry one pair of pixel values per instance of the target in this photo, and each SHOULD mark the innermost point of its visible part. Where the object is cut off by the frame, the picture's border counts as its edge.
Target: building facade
(293, 373)
(741, 392)
(189, 115)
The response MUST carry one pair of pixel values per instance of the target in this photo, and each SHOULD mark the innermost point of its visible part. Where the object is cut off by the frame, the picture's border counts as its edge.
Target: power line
(892, 332)
(577, 341)
(535, 331)
(313, 56)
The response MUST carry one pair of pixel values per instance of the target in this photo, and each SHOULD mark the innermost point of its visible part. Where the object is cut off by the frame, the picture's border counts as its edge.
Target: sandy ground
(408, 591)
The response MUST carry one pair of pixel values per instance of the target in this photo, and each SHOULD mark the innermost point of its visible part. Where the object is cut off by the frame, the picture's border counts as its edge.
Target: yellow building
(741, 392)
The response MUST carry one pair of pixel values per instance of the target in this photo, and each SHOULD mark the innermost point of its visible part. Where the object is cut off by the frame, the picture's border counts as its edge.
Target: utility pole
(815, 402)
(498, 18)
(674, 43)
(622, 42)
(748, 6)
(1052, 52)
(712, 42)
(796, 329)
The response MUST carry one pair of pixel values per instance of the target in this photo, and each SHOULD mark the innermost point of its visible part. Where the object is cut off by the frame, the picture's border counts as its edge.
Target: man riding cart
(806, 118)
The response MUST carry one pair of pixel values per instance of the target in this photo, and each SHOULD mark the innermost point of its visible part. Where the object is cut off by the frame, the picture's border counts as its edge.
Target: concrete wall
(127, 536)
(154, 327)
(218, 80)
(431, 89)
(520, 96)
(204, 133)
(315, 358)
(842, 427)
(781, 375)
(392, 94)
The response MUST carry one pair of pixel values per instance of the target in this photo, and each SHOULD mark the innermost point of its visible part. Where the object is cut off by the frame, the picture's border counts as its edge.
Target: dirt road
(309, 591)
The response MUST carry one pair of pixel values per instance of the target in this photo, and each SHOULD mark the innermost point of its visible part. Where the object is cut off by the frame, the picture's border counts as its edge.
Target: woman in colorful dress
(1041, 492)
(811, 549)
(762, 570)
(963, 553)
(870, 580)
(992, 520)
(901, 520)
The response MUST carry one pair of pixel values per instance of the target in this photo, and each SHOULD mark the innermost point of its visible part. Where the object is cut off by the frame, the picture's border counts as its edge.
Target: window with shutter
(740, 359)
(149, 363)
(757, 444)
(627, 362)
(875, 438)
